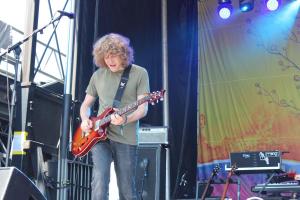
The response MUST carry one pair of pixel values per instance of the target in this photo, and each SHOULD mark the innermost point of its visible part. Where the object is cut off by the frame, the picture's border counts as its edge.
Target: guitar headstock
(216, 169)
(157, 96)
(233, 168)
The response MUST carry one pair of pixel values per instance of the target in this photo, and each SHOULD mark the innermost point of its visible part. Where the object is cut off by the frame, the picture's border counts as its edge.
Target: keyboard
(277, 187)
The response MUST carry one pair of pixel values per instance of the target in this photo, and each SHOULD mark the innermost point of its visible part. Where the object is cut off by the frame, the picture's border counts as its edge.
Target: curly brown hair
(113, 44)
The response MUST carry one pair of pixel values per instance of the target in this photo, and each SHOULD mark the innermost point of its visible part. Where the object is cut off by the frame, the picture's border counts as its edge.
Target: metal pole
(17, 53)
(165, 86)
(239, 187)
(63, 153)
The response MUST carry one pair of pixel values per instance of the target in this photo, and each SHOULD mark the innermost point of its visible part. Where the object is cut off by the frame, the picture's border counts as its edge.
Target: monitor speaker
(15, 184)
(150, 173)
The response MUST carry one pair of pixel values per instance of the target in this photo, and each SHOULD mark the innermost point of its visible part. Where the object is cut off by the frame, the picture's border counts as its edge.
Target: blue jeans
(124, 157)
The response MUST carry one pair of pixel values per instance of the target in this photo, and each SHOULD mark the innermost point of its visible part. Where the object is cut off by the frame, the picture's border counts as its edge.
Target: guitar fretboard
(122, 111)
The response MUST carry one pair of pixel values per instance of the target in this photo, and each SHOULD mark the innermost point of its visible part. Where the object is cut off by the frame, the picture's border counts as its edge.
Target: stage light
(224, 8)
(246, 5)
(272, 4)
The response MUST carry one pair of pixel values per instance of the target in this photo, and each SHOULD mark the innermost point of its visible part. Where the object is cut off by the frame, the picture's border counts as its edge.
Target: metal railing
(80, 176)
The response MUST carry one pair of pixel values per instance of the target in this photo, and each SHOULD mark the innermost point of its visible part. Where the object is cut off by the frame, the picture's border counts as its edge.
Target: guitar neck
(227, 184)
(206, 187)
(132, 106)
(122, 111)
(214, 173)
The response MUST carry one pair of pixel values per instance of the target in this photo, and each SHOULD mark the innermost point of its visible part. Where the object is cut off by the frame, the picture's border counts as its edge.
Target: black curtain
(183, 73)
(85, 17)
(140, 20)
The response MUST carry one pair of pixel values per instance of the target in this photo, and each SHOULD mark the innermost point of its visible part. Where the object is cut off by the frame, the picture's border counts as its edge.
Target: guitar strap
(122, 86)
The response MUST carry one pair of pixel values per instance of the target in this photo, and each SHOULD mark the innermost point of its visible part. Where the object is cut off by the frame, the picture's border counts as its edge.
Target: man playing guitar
(112, 54)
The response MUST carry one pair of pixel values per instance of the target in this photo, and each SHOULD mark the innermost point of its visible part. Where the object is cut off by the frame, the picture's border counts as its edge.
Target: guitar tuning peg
(152, 103)
(161, 99)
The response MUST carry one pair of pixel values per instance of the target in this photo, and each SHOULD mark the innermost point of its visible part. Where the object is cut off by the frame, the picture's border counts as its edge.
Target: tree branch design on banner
(274, 98)
(286, 62)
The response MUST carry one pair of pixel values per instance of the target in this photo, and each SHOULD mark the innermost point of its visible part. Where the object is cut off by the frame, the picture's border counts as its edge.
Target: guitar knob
(152, 103)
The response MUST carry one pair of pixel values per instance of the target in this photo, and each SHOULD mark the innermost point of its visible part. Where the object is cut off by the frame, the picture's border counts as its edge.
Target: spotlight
(224, 8)
(246, 5)
(272, 4)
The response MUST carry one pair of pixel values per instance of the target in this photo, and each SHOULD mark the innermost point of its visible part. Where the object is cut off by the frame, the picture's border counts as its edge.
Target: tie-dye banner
(249, 89)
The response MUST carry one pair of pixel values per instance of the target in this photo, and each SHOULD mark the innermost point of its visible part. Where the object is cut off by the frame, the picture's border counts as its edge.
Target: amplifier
(153, 135)
(255, 162)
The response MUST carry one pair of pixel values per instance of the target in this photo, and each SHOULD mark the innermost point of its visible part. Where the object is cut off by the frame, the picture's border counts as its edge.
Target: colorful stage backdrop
(249, 88)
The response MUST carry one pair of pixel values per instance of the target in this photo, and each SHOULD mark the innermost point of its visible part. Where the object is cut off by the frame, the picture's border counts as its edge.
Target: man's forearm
(137, 114)
(84, 112)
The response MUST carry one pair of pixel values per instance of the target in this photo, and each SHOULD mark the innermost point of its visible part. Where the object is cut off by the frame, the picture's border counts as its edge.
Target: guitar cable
(75, 157)
(142, 188)
(145, 164)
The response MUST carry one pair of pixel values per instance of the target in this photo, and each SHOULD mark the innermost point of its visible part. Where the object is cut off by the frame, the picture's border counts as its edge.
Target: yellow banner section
(18, 143)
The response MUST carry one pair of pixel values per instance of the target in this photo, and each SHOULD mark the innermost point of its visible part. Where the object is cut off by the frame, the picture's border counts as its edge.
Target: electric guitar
(230, 173)
(84, 141)
(212, 175)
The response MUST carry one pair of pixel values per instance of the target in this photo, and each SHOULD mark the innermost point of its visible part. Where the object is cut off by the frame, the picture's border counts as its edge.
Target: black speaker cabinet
(45, 116)
(150, 173)
(42, 123)
(15, 184)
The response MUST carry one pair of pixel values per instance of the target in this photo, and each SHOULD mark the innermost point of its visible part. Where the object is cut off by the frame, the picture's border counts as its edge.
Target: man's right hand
(86, 125)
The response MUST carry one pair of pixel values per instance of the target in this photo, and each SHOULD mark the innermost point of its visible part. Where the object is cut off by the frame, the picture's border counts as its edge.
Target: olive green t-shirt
(104, 84)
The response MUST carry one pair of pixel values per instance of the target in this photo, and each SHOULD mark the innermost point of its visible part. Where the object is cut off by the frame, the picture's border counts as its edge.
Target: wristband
(125, 119)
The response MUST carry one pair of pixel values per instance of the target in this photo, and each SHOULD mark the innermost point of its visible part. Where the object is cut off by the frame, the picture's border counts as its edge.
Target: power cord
(145, 164)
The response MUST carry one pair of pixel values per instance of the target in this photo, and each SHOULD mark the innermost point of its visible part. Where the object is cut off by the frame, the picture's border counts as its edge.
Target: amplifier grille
(153, 135)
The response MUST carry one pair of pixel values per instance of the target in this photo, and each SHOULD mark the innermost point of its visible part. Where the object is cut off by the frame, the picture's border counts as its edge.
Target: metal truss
(49, 51)
(3, 140)
(47, 57)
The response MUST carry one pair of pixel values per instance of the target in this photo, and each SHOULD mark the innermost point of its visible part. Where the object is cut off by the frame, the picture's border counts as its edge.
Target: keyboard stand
(197, 189)
(238, 187)
(266, 183)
